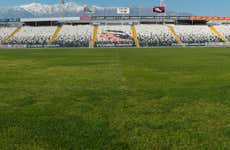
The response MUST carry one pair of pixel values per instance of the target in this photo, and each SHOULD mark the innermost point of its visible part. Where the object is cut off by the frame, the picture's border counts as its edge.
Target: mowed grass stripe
(167, 98)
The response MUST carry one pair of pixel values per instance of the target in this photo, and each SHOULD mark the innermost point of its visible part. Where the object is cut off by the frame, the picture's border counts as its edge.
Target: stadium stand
(217, 33)
(33, 35)
(176, 37)
(224, 30)
(74, 36)
(154, 35)
(195, 34)
(5, 32)
(141, 35)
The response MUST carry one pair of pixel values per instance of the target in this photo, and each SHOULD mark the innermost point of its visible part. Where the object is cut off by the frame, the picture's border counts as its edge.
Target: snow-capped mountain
(39, 10)
(14, 13)
(67, 10)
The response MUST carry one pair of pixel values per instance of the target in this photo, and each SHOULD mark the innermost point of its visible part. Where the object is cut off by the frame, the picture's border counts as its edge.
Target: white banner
(123, 10)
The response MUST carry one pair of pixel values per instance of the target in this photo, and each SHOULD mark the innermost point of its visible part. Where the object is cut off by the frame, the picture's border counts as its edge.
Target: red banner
(86, 18)
(159, 9)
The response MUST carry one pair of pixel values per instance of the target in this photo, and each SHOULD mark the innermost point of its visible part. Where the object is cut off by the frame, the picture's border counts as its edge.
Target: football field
(161, 98)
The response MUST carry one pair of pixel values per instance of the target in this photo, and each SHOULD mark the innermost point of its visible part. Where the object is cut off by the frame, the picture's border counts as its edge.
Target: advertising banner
(87, 18)
(123, 10)
(89, 9)
(159, 9)
(114, 37)
(207, 18)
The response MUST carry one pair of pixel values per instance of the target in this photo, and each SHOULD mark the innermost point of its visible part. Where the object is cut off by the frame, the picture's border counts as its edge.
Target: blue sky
(197, 7)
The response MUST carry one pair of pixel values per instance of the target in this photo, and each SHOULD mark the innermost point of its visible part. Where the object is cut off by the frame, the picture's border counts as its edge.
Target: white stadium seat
(81, 35)
(33, 35)
(224, 30)
(75, 36)
(5, 32)
(195, 34)
(154, 35)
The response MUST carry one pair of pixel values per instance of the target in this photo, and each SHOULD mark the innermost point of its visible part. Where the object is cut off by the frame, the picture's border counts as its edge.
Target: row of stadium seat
(154, 35)
(81, 35)
(5, 32)
(74, 36)
(196, 34)
(33, 35)
(224, 30)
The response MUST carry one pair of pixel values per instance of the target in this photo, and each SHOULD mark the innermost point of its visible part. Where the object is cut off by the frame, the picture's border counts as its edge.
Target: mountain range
(71, 9)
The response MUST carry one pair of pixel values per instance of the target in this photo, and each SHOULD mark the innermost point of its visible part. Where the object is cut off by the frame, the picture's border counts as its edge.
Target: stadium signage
(123, 10)
(90, 9)
(114, 45)
(159, 9)
(87, 18)
(207, 18)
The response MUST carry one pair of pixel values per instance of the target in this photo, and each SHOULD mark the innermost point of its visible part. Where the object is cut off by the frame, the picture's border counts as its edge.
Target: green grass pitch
(166, 98)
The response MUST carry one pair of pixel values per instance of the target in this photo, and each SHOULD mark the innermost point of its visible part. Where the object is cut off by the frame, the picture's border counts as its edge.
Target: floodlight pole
(62, 1)
(61, 8)
(162, 4)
